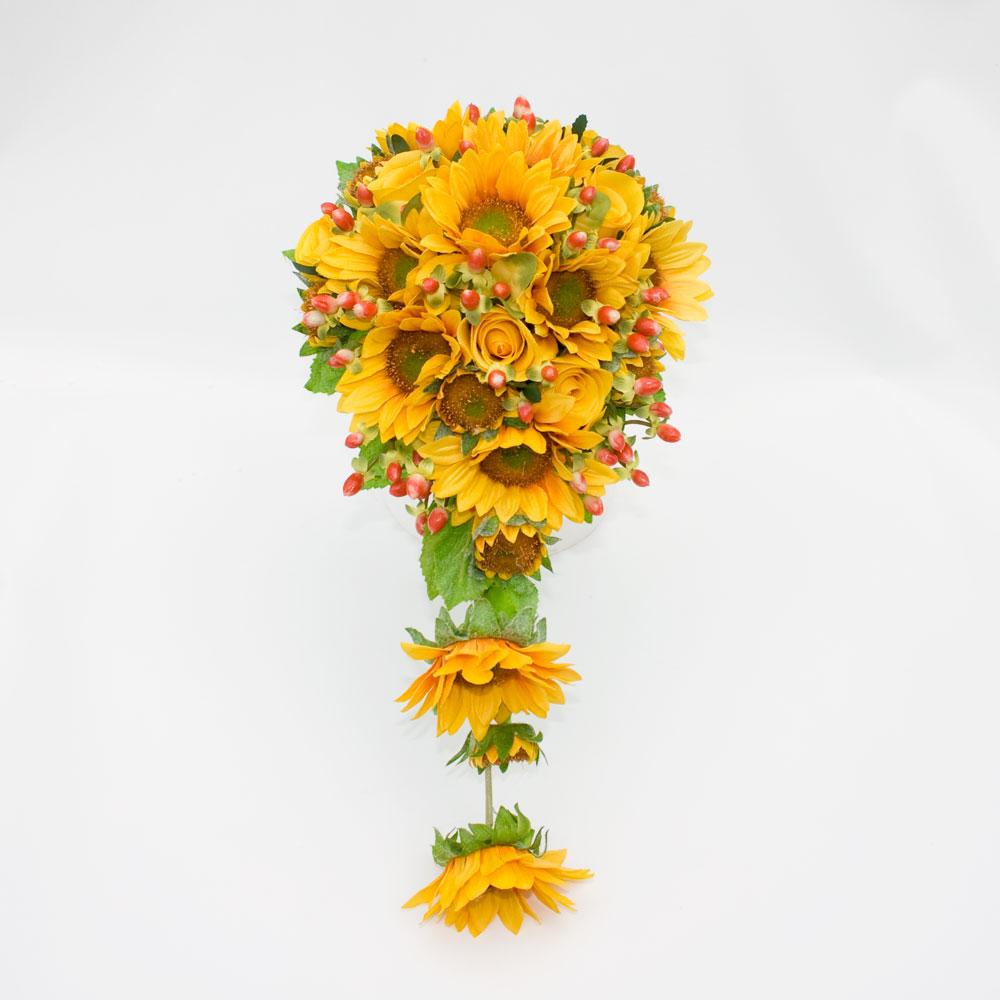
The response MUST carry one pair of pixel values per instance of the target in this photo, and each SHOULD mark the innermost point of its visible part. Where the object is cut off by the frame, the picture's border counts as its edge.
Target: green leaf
(504, 827)
(397, 144)
(503, 740)
(346, 172)
(509, 597)
(580, 126)
(532, 392)
(449, 567)
(488, 527)
(517, 270)
(481, 620)
(418, 637)
(468, 442)
(594, 216)
(306, 349)
(370, 453)
(541, 629)
(323, 378)
(521, 628)
(444, 629)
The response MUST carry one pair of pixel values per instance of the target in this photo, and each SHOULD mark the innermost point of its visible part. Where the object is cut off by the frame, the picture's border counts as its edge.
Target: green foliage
(371, 454)
(323, 378)
(448, 564)
(517, 270)
(500, 737)
(580, 126)
(509, 828)
(397, 144)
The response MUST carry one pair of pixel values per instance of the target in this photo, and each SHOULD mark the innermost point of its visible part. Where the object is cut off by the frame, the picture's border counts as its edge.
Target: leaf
(346, 172)
(323, 378)
(481, 620)
(509, 597)
(521, 628)
(444, 629)
(517, 270)
(541, 628)
(449, 568)
(504, 827)
(580, 126)
(306, 349)
(418, 637)
(594, 216)
(370, 453)
(468, 442)
(488, 527)
(398, 144)
(532, 392)
(503, 740)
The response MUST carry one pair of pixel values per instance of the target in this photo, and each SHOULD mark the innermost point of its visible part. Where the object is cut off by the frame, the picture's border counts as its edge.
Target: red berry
(659, 409)
(529, 120)
(667, 432)
(346, 300)
(588, 194)
(522, 107)
(525, 412)
(647, 326)
(417, 487)
(393, 471)
(639, 477)
(430, 285)
(577, 240)
(398, 488)
(608, 316)
(496, 379)
(606, 457)
(327, 207)
(473, 113)
(647, 385)
(324, 303)
(655, 295)
(354, 440)
(420, 523)
(417, 457)
(595, 505)
(470, 298)
(599, 146)
(549, 373)
(625, 163)
(626, 455)
(477, 259)
(578, 482)
(609, 244)
(353, 484)
(424, 138)
(313, 318)
(365, 309)
(501, 290)
(617, 439)
(437, 519)
(637, 343)
(342, 219)
(365, 197)
(465, 145)
(341, 358)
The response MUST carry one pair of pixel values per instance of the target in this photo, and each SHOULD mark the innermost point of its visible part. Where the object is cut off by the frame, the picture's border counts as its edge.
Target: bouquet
(492, 300)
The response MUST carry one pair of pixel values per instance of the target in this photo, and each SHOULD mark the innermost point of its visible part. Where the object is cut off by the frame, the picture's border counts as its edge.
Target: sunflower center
(517, 466)
(468, 405)
(568, 290)
(503, 220)
(512, 558)
(408, 353)
(393, 269)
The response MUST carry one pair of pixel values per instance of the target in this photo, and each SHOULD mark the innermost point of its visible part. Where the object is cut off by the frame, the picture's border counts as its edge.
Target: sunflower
(467, 405)
(494, 200)
(497, 881)
(403, 353)
(572, 403)
(519, 471)
(476, 680)
(511, 550)
(676, 265)
(521, 750)
(553, 142)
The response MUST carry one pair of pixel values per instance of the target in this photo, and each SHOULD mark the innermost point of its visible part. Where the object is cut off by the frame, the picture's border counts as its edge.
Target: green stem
(488, 775)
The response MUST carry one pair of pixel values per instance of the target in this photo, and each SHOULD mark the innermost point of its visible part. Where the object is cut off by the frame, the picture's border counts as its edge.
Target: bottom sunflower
(495, 871)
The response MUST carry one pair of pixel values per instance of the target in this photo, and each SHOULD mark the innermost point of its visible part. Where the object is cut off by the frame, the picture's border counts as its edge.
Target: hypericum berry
(501, 290)
(497, 379)
(608, 316)
(647, 385)
(647, 326)
(393, 471)
(599, 146)
(473, 113)
(625, 163)
(477, 260)
(436, 520)
(529, 120)
(346, 300)
(626, 455)
(324, 303)
(655, 295)
(417, 457)
(639, 477)
(365, 309)
(617, 439)
(595, 505)
(637, 343)
(578, 482)
(424, 137)
(354, 440)
(522, 107)
(430, 285)
(327, 207)
(525, 412)
(353, 484)
(577, 240)
(470, 298)
(465, 145)
(364, 195)
(660, 409)
(313, 319)
(417, 487)
(420, 523)
(398, 488)
(342, 219)
(588, 194)
(549, 373)
(341, 358)
(667, 432)
(606, 456)
(609, 244)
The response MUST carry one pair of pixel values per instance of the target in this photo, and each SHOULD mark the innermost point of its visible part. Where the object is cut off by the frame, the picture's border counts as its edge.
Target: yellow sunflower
(475, 680)
(402, 354)
(497, 881)
(552, 141)
(521, 751)
(676, 265)
(511, 550)
(467, 405)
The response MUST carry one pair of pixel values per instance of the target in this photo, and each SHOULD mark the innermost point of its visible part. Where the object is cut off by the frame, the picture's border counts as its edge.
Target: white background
(782, 761)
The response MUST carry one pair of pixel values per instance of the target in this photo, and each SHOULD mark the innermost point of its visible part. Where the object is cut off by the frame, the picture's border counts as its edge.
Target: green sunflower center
(393, 269)
(517, 466)
(466, 404)
(511, 558)
(503, 220)
(568, 291)
(408, 353)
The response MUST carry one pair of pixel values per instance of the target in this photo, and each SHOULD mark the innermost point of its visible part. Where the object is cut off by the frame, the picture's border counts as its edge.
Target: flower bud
(341, 358)
(599, 146)
(660, 409)
(647, 385)
(420, 523)
(667, 432)
(346, 300)
(398, 488)
(617, 439)
(606, 457)
(578, 482)
(637, 343)
(647, 326)
(473, 112)
(364, 195)
(393, 471)
(417, 487)
(609, 244)
(522, 107)
(639, 477)
(313, 319)
(365, 309)
(594, 505)
(655, 295)
(608, 316)
(324, 303)
(354, 440)
(626, 455)
(437, 519)
(625, 163)
(465, 145)
(342, 219)
(424, 138)
(327, 207)
(353, 484)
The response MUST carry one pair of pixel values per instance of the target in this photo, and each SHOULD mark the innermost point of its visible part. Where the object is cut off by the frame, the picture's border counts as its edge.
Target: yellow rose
(572, 403)
(500, 340)
(398, 178)
(626, 196)
(314, 242)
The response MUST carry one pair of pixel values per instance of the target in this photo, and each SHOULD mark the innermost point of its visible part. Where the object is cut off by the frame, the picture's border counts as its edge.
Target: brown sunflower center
(393, 269)
(568, 290)
(511, 558)
(408, 353)
(503, 220)
(517, 466)
(466, 404)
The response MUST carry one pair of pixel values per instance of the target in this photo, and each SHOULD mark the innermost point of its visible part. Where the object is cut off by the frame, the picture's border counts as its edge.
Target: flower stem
(488, 775)
(641, 423)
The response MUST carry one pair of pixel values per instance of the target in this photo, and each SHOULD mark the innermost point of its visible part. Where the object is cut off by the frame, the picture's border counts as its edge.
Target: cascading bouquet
(492, 299)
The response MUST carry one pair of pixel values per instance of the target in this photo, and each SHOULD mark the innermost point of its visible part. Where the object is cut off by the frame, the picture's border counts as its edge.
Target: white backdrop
(782, 760)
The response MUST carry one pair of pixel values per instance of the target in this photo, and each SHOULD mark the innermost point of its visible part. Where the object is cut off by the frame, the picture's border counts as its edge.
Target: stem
(641, 423)
(488, 775)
